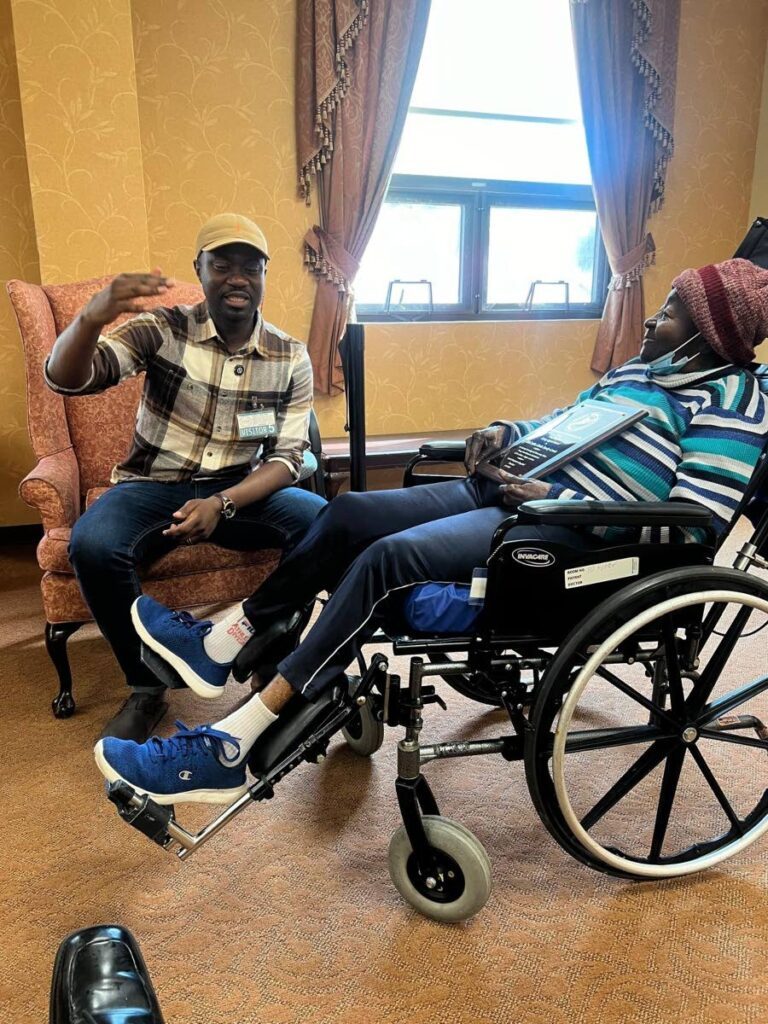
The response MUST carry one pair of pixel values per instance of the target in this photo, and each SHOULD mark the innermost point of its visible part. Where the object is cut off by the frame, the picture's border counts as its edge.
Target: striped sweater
(700, 441)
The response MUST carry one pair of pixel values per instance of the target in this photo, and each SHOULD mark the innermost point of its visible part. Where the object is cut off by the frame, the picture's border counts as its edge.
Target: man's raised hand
(122, 295)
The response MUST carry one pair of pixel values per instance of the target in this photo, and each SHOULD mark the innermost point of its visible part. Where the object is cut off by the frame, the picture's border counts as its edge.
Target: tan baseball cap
(226, 228)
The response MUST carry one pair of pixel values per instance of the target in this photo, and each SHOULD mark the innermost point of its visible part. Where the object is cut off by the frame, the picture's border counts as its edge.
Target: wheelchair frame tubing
(414, 796)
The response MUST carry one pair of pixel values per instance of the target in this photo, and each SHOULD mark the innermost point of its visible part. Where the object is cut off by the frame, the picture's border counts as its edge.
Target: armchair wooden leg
(56, 636)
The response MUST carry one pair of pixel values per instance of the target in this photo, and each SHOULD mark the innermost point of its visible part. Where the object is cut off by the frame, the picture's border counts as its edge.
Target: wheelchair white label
(479, 584)
(585, 575)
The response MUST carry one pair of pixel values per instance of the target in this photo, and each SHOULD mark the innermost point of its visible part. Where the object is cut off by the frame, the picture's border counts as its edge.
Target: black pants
(363, 547)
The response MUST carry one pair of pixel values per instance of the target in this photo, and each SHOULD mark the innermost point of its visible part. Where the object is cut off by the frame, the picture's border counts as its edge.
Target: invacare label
(585, 575)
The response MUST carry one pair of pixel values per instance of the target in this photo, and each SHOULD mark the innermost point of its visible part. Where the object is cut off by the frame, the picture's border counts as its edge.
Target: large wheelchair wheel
(648, 756)
(463, 882)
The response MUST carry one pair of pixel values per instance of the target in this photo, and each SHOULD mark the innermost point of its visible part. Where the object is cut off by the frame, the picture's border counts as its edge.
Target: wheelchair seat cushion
(440, 608)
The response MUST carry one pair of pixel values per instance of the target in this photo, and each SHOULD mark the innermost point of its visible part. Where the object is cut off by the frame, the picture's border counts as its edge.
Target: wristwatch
(228, 507)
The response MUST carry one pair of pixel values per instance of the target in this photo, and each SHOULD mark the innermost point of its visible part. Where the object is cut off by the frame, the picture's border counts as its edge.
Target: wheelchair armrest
(614, 513)
(443, 451)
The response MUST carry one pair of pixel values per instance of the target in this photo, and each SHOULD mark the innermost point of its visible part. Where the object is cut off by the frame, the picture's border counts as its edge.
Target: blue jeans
(123, 528)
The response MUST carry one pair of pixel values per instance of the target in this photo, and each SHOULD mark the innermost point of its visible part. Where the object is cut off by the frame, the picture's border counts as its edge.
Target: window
(490, 213)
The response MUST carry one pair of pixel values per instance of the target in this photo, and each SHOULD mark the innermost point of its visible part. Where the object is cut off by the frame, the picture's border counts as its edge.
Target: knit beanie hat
(728, 302)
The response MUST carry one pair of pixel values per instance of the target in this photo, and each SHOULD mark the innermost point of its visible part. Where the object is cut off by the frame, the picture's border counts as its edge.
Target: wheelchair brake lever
(430, 696)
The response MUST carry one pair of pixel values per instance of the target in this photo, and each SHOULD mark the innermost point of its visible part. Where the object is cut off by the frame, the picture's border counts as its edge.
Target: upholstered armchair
(77, 441)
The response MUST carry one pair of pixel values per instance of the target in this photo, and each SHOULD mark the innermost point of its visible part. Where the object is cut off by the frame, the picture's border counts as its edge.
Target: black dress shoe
(137, 718)
(100, 977)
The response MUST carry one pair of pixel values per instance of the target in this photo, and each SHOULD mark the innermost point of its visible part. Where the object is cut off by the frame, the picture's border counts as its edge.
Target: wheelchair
(626, 679)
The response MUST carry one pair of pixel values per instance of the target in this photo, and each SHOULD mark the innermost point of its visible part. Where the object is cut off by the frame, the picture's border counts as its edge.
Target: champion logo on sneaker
(193, 765)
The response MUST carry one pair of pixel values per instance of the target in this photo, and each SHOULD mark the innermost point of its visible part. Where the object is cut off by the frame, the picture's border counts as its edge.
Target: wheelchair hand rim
(625, 864)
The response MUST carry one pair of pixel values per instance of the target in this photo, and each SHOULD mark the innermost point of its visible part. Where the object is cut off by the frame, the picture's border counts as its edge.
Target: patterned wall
(719, 83)
(215, 91)
(213, 88)
(450, 376)
(759, 202)
(78, 91)
(18, 258)
(420, 376)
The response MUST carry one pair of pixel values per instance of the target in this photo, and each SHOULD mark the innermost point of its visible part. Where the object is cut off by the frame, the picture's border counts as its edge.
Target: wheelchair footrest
(301, 733)
(141, 812)
(162, 671)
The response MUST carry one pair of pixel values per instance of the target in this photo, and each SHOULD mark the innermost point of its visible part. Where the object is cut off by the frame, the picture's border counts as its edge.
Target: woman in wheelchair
(705, 428)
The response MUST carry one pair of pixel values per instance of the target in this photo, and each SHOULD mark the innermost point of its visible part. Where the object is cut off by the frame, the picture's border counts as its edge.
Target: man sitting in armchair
(219, 437)
(705, 428)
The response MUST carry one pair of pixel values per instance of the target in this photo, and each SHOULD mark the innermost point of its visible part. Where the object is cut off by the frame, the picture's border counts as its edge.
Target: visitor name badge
(256, 423)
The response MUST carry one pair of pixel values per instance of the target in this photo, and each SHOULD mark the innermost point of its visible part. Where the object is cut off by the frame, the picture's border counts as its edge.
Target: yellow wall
(719, 86)
(215, 90)
(18, 258)
(758, 206)
(78, 93)
(717, 113)
(132, 146)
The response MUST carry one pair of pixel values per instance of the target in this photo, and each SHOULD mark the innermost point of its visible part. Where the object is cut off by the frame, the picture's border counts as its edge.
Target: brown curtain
(356, 65)
(626, 54)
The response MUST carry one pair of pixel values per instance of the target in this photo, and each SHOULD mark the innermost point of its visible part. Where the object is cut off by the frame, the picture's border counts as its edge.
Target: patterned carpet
(290, 916)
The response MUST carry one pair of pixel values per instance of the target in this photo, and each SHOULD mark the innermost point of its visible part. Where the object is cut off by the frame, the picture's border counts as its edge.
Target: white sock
(227, 637)
(246, 724)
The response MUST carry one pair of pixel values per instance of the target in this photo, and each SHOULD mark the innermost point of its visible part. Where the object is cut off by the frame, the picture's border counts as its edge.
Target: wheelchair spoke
(602, 739)
(632, 777)
(714, 785)
(730, 737)
(732, 700)
(676, 692)
(630, 692)
(679, 649)
(669, 782)
(711, 620)
(701, 693)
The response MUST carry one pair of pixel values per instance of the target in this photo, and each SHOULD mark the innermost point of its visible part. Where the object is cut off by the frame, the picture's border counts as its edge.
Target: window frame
(477, 197)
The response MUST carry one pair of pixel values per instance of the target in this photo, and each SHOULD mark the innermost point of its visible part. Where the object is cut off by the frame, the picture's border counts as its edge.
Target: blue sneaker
(189, 766)
(178, 638)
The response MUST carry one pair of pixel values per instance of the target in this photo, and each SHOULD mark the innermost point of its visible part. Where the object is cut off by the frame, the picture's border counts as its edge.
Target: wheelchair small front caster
(63, 705)
(364, 733)
(461, 884)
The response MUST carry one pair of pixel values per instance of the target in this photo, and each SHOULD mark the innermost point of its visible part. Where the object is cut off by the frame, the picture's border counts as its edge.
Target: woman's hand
(197, 519)
(516, 489)
(482, 445)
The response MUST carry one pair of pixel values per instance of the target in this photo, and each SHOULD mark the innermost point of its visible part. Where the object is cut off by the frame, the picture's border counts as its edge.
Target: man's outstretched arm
(70, 365)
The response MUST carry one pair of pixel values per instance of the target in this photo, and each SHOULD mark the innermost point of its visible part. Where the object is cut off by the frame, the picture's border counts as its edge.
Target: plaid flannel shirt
(186, 424)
